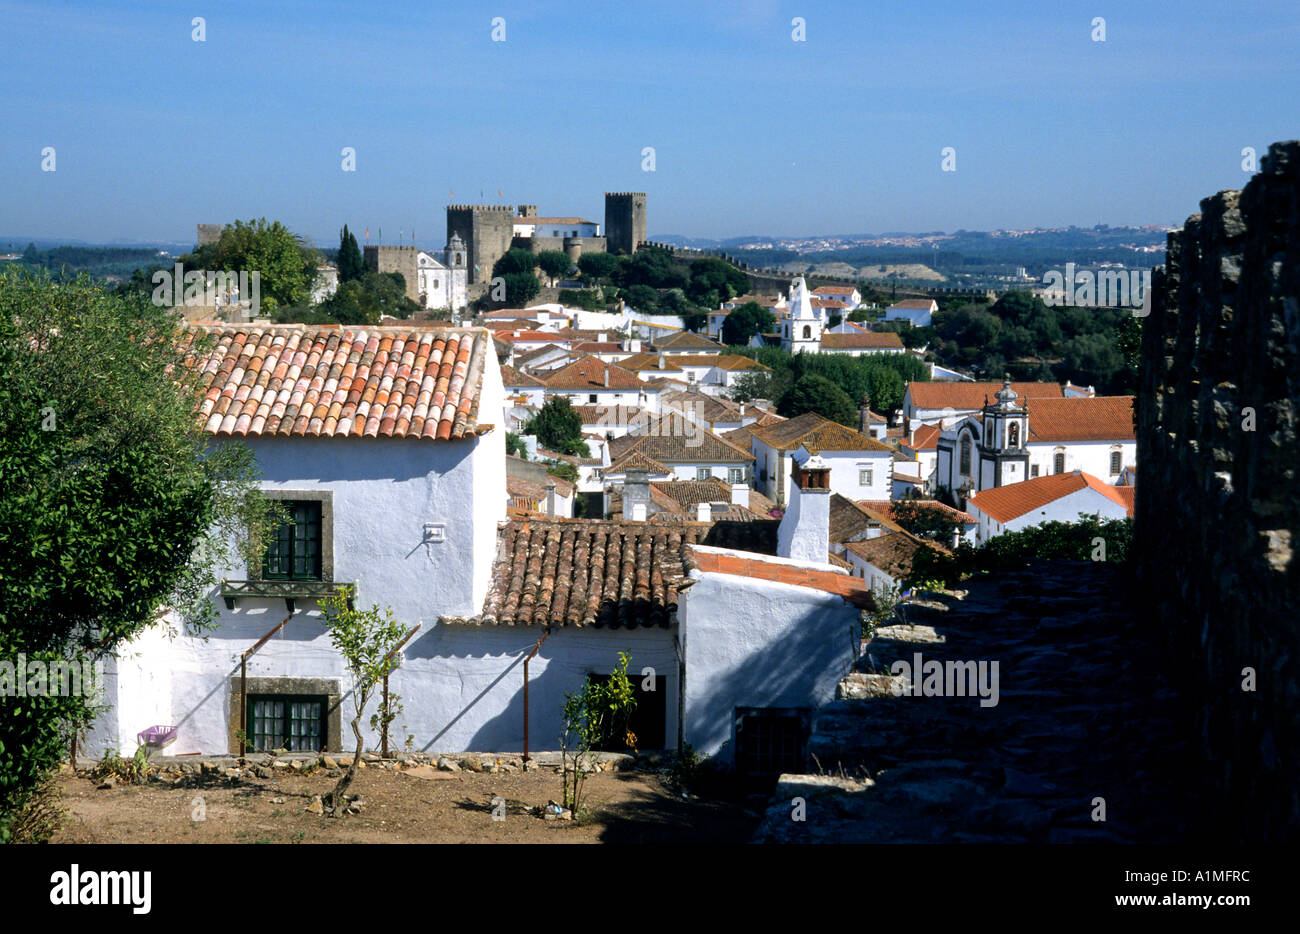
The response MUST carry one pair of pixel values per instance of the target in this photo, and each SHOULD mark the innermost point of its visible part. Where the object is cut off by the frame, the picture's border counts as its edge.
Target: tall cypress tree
(351, 265)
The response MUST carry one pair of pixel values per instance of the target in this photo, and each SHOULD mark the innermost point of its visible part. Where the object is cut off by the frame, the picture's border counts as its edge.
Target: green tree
(361, 301)
(285, 263)
(553, 263)
(350, 262)
(114, 504)
(643, 298)
(760, 384)
(559, 428)
(744, 322)
(515, 446)
(517, 260)
(592, 716)
(368, 641)
(812, 393)
(521, 287)
(597, 265)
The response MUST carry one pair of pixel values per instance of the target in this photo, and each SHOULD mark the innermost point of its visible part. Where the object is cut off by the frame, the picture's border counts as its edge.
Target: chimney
(804, 532)
(739, 494)
(636, 495)
(607, 377)
(550, 496)
(703, 512)
(604, 336)
(661, 359)
(864, 414)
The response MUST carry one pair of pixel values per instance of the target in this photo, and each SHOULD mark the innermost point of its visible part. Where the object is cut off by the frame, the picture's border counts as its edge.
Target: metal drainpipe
(527, 659)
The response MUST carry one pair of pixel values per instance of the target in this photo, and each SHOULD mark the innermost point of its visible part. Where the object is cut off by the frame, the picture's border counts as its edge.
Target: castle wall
(1218, 499)
(402, 259)
(625, 227)
(487, 230)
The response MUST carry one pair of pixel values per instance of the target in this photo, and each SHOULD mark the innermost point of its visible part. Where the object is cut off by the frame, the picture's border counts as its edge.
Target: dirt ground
(454, 807)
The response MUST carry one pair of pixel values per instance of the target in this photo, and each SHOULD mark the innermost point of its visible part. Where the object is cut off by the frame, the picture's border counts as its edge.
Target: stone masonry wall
(1218, 499)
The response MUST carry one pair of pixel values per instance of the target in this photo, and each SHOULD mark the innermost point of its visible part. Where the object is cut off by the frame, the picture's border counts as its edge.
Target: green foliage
(588, 299)
(521, 287)
(813, 393)
(515, 446)
(559, 428)
(922, 519)
(350, 262)
(517, 260)
(593, 716)
(643, 298)
(113, 503)
(553, 263)
(598, 265)
(286, 264)
(359, 301)
(562, 469)
(1070, 541)
(760, 384)
(745, 321)
(367, 640)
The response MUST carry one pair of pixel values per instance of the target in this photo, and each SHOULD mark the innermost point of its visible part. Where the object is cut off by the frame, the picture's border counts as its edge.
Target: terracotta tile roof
(866, 340)
(893, 553)
(638, 460)
(331, 381)
(914, 303)
(853, 589)
(598, 347)
(888, 508)
(726, 361)
(833, 290)
(699, 404)
(533, 353)
(686, 340)
(523, 336)
(925, 438)
(509, 324)
(848, 519)
(961, 396)
(611, 415)
(601, 573)
(650, 361)
(672, 439)
(690, 493)
(1005, 503)
(512, 378)
(815, 432)
(1100, 418)
(588, 374)
(517, 486)
(831, 303)
(666, 507)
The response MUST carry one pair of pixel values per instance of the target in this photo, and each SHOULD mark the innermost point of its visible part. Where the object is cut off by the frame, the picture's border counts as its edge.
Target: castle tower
(573, 249)
(400, 259)
(527, 210)
(624, 221)
(486, 230)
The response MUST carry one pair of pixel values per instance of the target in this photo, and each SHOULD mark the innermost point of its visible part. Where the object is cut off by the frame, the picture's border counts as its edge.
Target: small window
(735, 475)
(865, 477)
(807, 332)
(1115, 465)
(1033, 471)
(703, 473)
(292, 722)
(965, 455)
(295, 549)
(591, 398)
(1013, 435)
(1058, 462)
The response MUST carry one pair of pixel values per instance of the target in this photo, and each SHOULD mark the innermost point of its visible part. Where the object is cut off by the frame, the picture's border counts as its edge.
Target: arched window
(965, 455)
(807, 332)
(1013, 435)
(1058, 461)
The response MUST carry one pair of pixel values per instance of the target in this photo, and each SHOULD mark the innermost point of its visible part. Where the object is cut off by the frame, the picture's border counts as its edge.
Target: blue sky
(753, 132)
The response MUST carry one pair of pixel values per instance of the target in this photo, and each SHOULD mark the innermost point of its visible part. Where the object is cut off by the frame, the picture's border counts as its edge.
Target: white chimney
(606, 377)
(804, 532)
(636, 495)
(550, 497)
(703, 512)
(638, 512)
(739, 494)
(603, 336)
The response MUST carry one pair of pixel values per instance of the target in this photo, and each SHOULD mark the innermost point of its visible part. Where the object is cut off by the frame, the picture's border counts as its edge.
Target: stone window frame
(329, 688)
(326, 500)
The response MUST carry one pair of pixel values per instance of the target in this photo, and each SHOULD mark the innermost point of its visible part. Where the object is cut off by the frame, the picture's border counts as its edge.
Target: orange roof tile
(1005, 503)
(865, 340)
(1099, 418)
(589, 374)
(331, 381)
(961, 396)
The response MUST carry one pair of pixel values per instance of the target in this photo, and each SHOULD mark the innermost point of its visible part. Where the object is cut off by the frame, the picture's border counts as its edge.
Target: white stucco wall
(846, 467)
(1065, 509)
(755, 643)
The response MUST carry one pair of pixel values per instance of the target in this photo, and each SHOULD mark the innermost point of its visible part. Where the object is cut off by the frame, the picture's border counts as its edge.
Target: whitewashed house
(1054, 498)
(918, 311)
(860, 465)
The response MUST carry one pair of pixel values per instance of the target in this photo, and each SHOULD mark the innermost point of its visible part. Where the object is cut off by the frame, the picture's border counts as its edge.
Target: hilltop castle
(489, 230)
